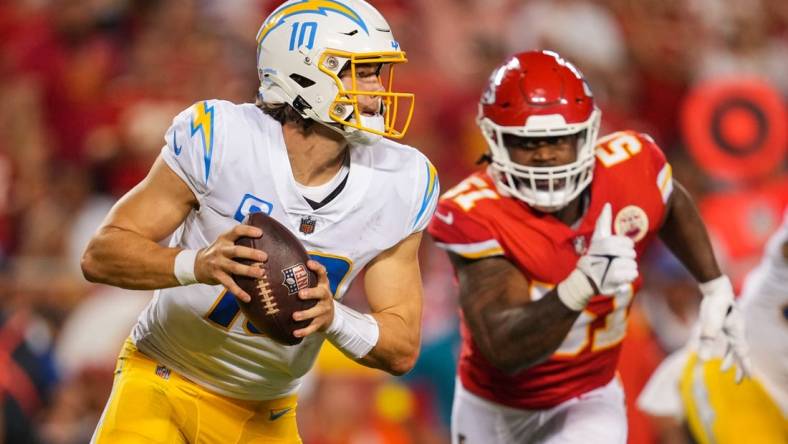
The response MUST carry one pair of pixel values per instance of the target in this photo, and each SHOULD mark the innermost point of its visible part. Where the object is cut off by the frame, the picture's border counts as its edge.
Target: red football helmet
(539, 94)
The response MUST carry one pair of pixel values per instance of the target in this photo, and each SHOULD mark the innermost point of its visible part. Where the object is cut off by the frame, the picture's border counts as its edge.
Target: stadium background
(88, 87)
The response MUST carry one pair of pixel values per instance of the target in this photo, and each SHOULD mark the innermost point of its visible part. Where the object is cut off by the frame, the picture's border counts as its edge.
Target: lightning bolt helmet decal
(278, 17)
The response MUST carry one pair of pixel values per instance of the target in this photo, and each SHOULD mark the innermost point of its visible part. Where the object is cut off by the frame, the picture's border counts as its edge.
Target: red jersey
(475, 221)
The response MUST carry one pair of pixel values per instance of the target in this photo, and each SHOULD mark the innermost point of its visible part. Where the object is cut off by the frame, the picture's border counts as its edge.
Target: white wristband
(720, 285)
(184, 267)
(575, 291)
(352, 332)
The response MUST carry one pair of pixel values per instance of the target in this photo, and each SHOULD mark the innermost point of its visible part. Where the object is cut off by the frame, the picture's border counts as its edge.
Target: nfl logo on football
(295, 278)
(307, 225)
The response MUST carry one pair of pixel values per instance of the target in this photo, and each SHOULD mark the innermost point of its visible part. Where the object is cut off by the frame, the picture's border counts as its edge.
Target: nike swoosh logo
(175, 146)
(609, 260)
(448, 219)
(276, 414)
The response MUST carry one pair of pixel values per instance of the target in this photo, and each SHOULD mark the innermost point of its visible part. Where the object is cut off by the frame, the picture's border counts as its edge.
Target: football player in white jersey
(315, 154)
(717, 410)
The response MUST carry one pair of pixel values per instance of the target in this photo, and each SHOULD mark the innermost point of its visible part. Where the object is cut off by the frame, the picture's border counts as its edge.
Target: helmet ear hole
(300, 105)
(302, 81)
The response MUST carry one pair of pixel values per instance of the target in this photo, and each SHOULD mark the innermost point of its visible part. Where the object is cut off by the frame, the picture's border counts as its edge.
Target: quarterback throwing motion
(545, 244)
(315, 154)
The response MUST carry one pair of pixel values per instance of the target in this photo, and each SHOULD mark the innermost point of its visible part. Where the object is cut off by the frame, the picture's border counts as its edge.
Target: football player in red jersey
(545, 244)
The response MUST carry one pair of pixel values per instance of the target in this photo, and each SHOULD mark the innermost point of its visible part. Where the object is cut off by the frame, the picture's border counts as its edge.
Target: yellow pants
(721, 412)
(152, 404)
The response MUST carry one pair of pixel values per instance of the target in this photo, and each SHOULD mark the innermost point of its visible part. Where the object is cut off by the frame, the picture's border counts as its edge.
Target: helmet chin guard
(357, 136)
(538, 94)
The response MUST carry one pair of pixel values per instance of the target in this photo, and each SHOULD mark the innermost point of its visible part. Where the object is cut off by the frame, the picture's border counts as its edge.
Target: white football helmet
(301, 49)
(539, 94)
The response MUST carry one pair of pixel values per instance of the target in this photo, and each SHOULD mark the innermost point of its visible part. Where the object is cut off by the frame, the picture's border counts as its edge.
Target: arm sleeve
(191, 146)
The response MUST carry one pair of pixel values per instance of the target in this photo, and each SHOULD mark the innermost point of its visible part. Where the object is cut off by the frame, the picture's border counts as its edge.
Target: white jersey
(764, 302)
(234, 160)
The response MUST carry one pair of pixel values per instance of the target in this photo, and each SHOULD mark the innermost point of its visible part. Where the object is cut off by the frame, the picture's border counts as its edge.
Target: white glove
(720, 319)
(610, 260)
(608, 264)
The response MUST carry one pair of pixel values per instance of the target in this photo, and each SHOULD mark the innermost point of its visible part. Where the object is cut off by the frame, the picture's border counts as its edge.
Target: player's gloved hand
(608, 264)
(721, 320)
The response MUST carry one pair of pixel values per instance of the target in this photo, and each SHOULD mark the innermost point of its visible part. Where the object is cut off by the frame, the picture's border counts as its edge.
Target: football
(275, 295)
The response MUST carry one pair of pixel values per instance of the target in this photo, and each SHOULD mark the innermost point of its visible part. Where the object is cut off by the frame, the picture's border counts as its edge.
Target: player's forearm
(522, 336)
(684, 233)
(126, 259)
(398, 345)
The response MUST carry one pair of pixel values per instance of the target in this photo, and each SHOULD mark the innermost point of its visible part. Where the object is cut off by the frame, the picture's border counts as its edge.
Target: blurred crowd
(88, 88)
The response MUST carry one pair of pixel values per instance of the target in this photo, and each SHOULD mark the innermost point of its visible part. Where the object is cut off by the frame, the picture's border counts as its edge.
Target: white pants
(598, 416)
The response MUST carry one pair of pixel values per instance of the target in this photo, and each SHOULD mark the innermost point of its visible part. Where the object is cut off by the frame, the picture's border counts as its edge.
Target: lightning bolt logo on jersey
(474, 221)
(203, 123)
(238, 165)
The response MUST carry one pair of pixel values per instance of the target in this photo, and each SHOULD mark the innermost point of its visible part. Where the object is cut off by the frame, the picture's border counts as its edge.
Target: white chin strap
(360, 137)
